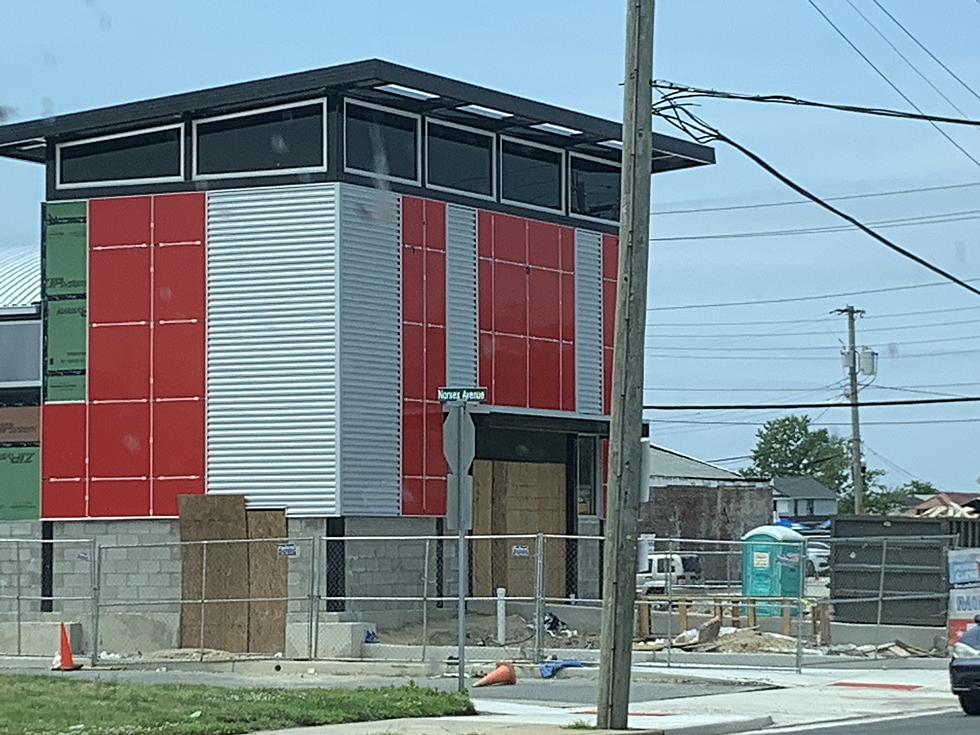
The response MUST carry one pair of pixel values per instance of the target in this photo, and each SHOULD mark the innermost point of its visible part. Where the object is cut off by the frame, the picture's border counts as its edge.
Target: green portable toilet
(772, 565)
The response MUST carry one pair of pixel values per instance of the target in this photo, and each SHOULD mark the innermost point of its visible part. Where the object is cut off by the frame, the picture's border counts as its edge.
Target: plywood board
(20, 424)
(268, 578)
(20, 483)
(65, 248)
(482, 526)
(222, 572)
(64, 388)
(66, 334)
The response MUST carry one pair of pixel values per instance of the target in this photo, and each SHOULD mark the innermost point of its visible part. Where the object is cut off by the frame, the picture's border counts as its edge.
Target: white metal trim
(59, 185)
(597, 159)
(196, 176)
(492, 197)
(417, 181)
(561, 166)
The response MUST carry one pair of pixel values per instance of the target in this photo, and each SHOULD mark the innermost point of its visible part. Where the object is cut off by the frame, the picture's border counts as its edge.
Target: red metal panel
(413, 496)
(486, 365)
(412, 221)
(119, 285)
(510, 371)
(119, 440)
(63, 499)
(413, 439)
(413, 284)
(509, 298)
(608, 312)
(544, 307)
(543, 244)
(567, 249)
(484, 233)
(568, 307)
(485, 294)
(119, 362)
(545, 374)
(435, 496)
(166, 492)
(178, 439)
(178, 282)
(119, 221)
(435, 287)
(119, 498)
(567, 377)
(435, 460)
(178, 360)
(178, 218)
(413, 361)
(607, 359)
(435, 225)
(509, 238)
(610, 257)
(63, 440)
(435, 361)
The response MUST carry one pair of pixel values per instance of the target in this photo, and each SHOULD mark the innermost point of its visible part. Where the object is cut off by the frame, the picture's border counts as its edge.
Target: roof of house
(20, 276)
(668, 463)
(802, 488)
(945, 500)
(372, 80)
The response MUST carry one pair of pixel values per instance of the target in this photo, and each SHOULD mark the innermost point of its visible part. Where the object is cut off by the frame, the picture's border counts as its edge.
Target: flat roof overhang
(374, 80)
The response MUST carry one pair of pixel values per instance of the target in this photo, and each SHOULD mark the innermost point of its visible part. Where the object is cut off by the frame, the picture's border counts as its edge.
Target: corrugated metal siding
(272, 347)
(462, 341)
(370, 351)
(20, 276)
(588, 322)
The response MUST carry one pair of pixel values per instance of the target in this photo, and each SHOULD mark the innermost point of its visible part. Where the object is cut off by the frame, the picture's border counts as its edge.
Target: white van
(682, 569)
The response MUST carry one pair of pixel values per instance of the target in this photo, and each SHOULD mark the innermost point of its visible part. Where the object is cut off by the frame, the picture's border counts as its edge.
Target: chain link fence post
(881, 594)
(94, 566)
(539, 598)
(800, 606)
(314, 604)
(18, 594)
(670, 600)
(425, 599)
(204, 580)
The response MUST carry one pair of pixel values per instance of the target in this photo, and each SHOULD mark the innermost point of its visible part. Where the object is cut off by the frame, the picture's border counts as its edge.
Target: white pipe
(501, 615)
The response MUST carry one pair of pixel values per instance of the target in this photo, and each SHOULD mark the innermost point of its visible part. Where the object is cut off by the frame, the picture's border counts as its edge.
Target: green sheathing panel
(65, 331)
(65, 248)
(64, 388)
(20, 483)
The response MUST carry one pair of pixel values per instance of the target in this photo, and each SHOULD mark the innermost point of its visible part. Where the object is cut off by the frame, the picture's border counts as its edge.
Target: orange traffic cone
(503, 674)
(63, 659)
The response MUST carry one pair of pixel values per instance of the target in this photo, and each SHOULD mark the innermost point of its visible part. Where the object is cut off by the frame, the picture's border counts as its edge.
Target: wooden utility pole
(625, 428)
(857, 476)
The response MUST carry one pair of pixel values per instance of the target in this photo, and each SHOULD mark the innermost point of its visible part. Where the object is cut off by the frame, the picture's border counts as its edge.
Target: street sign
(287, 550)
(462, 395)
(964, 566)
(459, 440)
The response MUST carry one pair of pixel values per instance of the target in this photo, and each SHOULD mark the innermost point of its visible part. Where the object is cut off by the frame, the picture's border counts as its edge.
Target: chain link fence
(528, 597)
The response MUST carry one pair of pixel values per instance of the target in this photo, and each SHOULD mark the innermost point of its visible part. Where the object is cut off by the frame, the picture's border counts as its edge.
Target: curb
(749, 724)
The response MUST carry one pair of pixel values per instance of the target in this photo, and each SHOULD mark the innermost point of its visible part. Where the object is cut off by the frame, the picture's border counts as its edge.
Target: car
(964, 680)
(817, 559)
(682, 570)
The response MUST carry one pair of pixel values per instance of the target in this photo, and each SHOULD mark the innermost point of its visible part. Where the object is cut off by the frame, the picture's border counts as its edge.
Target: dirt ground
(481, 630)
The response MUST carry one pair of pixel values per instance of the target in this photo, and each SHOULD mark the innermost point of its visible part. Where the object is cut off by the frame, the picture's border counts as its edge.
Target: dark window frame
(419, 158)
(588, 217)
(252, 173)
(492, 196)
(179, 176)
(562, 208)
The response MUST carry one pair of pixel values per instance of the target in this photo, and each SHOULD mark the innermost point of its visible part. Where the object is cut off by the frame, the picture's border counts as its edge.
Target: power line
(922, 46)
(770, 335)
(941, 218)
(770, 358)
(891, 464)
(795, 202)
(653, 339)
(792, 406)
(904, 58)
(823, 319)
(890, 82)
(914, 422)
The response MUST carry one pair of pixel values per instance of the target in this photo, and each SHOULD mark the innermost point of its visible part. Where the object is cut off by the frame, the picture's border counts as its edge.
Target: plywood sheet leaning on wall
(268, 581)
(220, 573)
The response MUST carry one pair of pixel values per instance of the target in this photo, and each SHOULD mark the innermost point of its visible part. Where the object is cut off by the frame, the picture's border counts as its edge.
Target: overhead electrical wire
(817, 320)
(653, 339)
(811, 333)
(922, 46)
(891, 464)
(659, 353)
(793, 406)
(912, 422)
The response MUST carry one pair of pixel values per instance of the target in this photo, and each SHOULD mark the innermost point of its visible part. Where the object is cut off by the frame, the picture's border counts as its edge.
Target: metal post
(881, 594)
(314, 601)
(95, 567)
(501, 615)
(626, 416)
(670, 602)
(462, 558)
(539, 599)
(425, 599)
(320, 576)
(204, 580)
(17, 547)
(799, 608)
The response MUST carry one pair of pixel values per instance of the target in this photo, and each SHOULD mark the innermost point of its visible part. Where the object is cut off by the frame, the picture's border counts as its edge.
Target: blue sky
(67, 55)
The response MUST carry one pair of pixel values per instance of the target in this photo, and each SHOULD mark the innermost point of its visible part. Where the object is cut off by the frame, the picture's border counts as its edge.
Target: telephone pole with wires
(864, 363)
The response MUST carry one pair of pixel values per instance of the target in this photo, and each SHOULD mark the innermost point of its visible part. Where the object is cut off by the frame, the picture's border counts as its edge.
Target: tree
(790, 446)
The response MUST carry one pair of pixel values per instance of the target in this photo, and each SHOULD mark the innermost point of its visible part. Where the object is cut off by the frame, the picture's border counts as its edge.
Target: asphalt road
(952, 723)
(553, 692)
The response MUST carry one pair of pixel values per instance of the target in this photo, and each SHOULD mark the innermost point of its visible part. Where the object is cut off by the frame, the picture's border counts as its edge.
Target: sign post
(459, 446)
